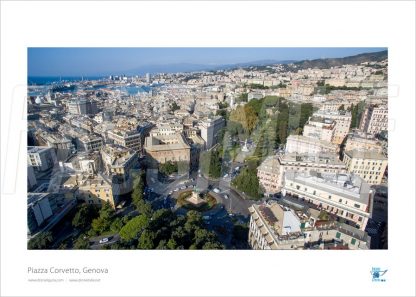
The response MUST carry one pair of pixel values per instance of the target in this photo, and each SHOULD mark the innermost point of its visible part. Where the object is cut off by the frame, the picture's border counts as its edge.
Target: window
(353, 240)
(314, 192)
(340, 200)
(357, 205)
(360, 219)
(338, 235)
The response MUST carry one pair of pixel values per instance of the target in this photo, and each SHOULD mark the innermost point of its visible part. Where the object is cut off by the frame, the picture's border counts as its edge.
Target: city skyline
(43, 62)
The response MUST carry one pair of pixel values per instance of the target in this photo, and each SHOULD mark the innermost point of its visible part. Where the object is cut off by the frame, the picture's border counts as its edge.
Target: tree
(82, 243)
(211, 163)
(103, 222)
(133, 227)
(171, 244)
(341, 108)
(116, 225)
(174, 107)
(212, 246)
(168, 168)
(84, 216)
(42, 241)
(146, 240)
(248, 182)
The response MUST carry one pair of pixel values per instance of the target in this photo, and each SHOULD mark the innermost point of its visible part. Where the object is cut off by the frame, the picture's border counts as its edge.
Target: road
(95, 241)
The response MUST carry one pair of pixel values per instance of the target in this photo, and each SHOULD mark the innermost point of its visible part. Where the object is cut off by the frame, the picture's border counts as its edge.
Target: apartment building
(271, 172)
(347, 196)
(131, 139)
(362, 141)
(210, 129)
(374, 119)
(277, 227)
(369, 165)
(90, 142)
(319, 128)
(41, 158)
(118, 160)
(342, 123)
(303, 144)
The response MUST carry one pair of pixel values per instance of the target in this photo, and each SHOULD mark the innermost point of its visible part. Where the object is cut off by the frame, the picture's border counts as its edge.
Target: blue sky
(104, 61)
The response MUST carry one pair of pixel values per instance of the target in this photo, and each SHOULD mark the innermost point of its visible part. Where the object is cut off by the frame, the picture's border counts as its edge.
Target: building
(271, 172)
(362, 141)
(131, 139)
(347, 196)
(148, 78)
(374, 119)
(82, 106)
(98, 189)
(369, 165)
(91, 142)
(166, 148)
(45, 210)
(342, 123)
(319, 128)
(210, 129)
(118, 160)
(31, 178)
(302, 144)
(41, 158)
(277, 227)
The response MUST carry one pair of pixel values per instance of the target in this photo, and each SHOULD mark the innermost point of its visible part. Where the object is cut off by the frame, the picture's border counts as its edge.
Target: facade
(307, 145)
(131, 139)
(375, 119)
(277, 227)
(31, 178)
(82, 106)
(96, 190)
(271, 172)
(167, 148)
(210, 129)
(342, 123)
(41, 158)
(347, 196)
(319, 128)
(369, 165)
(91, 142)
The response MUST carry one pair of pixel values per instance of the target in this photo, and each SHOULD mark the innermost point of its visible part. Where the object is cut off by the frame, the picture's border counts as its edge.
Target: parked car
(216, 190)
(104, 240)
(226, 196)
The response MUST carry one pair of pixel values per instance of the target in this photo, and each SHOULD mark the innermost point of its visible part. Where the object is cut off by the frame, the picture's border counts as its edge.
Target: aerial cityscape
(260, 152)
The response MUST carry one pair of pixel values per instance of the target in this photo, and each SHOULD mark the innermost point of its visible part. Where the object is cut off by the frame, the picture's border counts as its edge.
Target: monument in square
(195, 198)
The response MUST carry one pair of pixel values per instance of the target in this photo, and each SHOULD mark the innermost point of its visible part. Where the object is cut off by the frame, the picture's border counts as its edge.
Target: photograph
(207, 148)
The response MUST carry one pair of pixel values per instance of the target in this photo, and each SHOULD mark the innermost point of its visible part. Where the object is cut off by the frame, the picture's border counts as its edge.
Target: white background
(342, 24)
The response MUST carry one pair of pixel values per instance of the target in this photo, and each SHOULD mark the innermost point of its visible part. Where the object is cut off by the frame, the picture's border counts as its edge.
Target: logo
(377, 274)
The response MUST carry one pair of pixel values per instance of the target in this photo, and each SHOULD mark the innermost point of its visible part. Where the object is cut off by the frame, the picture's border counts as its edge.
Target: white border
(243, 273)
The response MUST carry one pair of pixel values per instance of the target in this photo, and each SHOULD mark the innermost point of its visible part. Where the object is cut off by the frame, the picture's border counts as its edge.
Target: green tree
(171, 244)
(82, 243)
(42, 241)
(116, 225)
(168, 168)
(146, 240)
(174, 107)
(84, 216)
(133, 227)
(248, 182)
(103, 222)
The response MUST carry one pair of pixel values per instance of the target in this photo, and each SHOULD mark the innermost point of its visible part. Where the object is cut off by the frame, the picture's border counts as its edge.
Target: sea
(41, 85)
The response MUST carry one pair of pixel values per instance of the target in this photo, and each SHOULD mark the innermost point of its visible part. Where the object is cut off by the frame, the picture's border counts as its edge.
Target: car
(175, 190)
(199, 175)
(170, 193)
(206, 217)
(104, 240)
(226, 196)
(183, 187)
(225, 176)
(216, 190)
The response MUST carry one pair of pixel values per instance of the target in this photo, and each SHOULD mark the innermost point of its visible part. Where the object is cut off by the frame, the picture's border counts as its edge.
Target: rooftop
(373, 155)
(345, 185)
